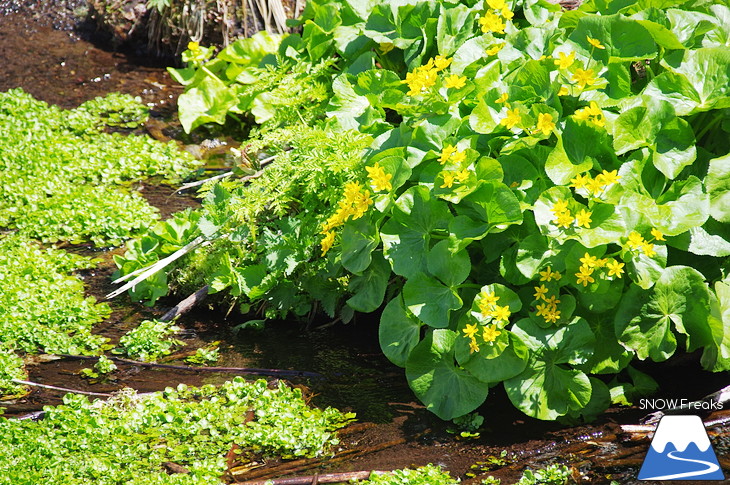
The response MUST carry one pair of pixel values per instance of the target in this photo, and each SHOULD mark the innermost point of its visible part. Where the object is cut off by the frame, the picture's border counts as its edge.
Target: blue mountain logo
(681, 450)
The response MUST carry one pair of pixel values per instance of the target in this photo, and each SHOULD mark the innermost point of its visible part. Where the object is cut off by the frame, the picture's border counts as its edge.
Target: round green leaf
(399, 332)
(447, 390)
(430, 300)
(451, 268)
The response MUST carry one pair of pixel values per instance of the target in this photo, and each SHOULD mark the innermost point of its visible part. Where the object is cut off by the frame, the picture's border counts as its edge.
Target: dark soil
(43, 52)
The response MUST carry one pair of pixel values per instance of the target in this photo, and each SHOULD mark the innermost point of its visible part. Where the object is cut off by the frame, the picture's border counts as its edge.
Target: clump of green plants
(101, 370)
(128, 438)
(116, 109)
(205, 355)
(150, 340)
(42, 305)
(62, 178)
(11, 368)
(551, 475)
(542, 204)
(263, 234)
(425, 475)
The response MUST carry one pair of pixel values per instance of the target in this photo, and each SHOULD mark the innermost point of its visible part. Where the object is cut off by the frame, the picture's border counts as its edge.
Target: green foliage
(150, 340)
(205, 355)
(544, 199)
(264, 233)
(42, 306)
(102, 367)
(11, 367)
(425, 475)
(129, 437)
(116, 109)
(62, 177)
(551, 475)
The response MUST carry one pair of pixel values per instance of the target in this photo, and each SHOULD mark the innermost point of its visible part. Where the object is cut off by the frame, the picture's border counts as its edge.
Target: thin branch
(232, 370)
(198, 183)
(63, 389)
(326, 478)
(154, 268)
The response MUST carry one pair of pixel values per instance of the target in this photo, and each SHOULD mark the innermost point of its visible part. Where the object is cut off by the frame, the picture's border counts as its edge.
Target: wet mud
(63, 65)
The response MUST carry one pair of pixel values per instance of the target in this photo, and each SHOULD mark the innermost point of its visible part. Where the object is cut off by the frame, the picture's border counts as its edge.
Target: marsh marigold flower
(512, 119)
(493, 51)
(545, 123)
(583, 218)
(584, 77)
(327, 241)
(565, 61)
(440, 63)
(490, 333)
(449, 179)
(378, 178)
(658, 235)
(615, 268)
(455, 81)
(491, 22)
(595, 43)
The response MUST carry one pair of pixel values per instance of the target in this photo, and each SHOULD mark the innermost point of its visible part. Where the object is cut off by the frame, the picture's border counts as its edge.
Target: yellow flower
(503, 98)
(600, 263)
(491, 22)
(545, 123)
(555, 275)
(446, 153)
(615, 268)
(496, 4)
(540, 292)
(579, 181)
(635, 240)
(552, 316)
(595, 186)
(455, 81)
(361, 204)
(584, 278)
(490, 333)
(449, 179)
(542, 309)
(595, 43)
(458, 157)
(657, 234)
(462, 175)
(565, 61)
(501, 313)
(193, 46)
(507, 13)
(493, 51)
(563, 91)
(588, 261)
(546, 275)
(648, 249)
(583, 218)
(385, 47)
(487, 300)
(420, 79)
(327, 241)
(552, 301)
(379, 180)
(513, 117)
(564, 219)
(352, 191)
(584, 77)
(470, 330)
(559, 207)
(611, 177)
(473, 346)
(440, 63)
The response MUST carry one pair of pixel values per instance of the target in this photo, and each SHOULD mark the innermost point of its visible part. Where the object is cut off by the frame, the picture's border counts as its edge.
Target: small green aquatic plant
(550, 475)
(150, 340)
(128, 438)
(425, 475)
(62, 178)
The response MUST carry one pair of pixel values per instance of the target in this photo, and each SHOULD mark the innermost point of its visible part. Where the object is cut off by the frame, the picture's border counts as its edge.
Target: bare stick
(327, 478)
(185, 305)
(154, 268)
(63, 389)
(232, 370)
(198, 183)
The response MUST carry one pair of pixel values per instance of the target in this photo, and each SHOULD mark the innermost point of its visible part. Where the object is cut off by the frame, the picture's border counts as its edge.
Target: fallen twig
(198, 183)
(185, 305)
(232, 370)
(326, 478)
(154, 268)
(63, 389)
